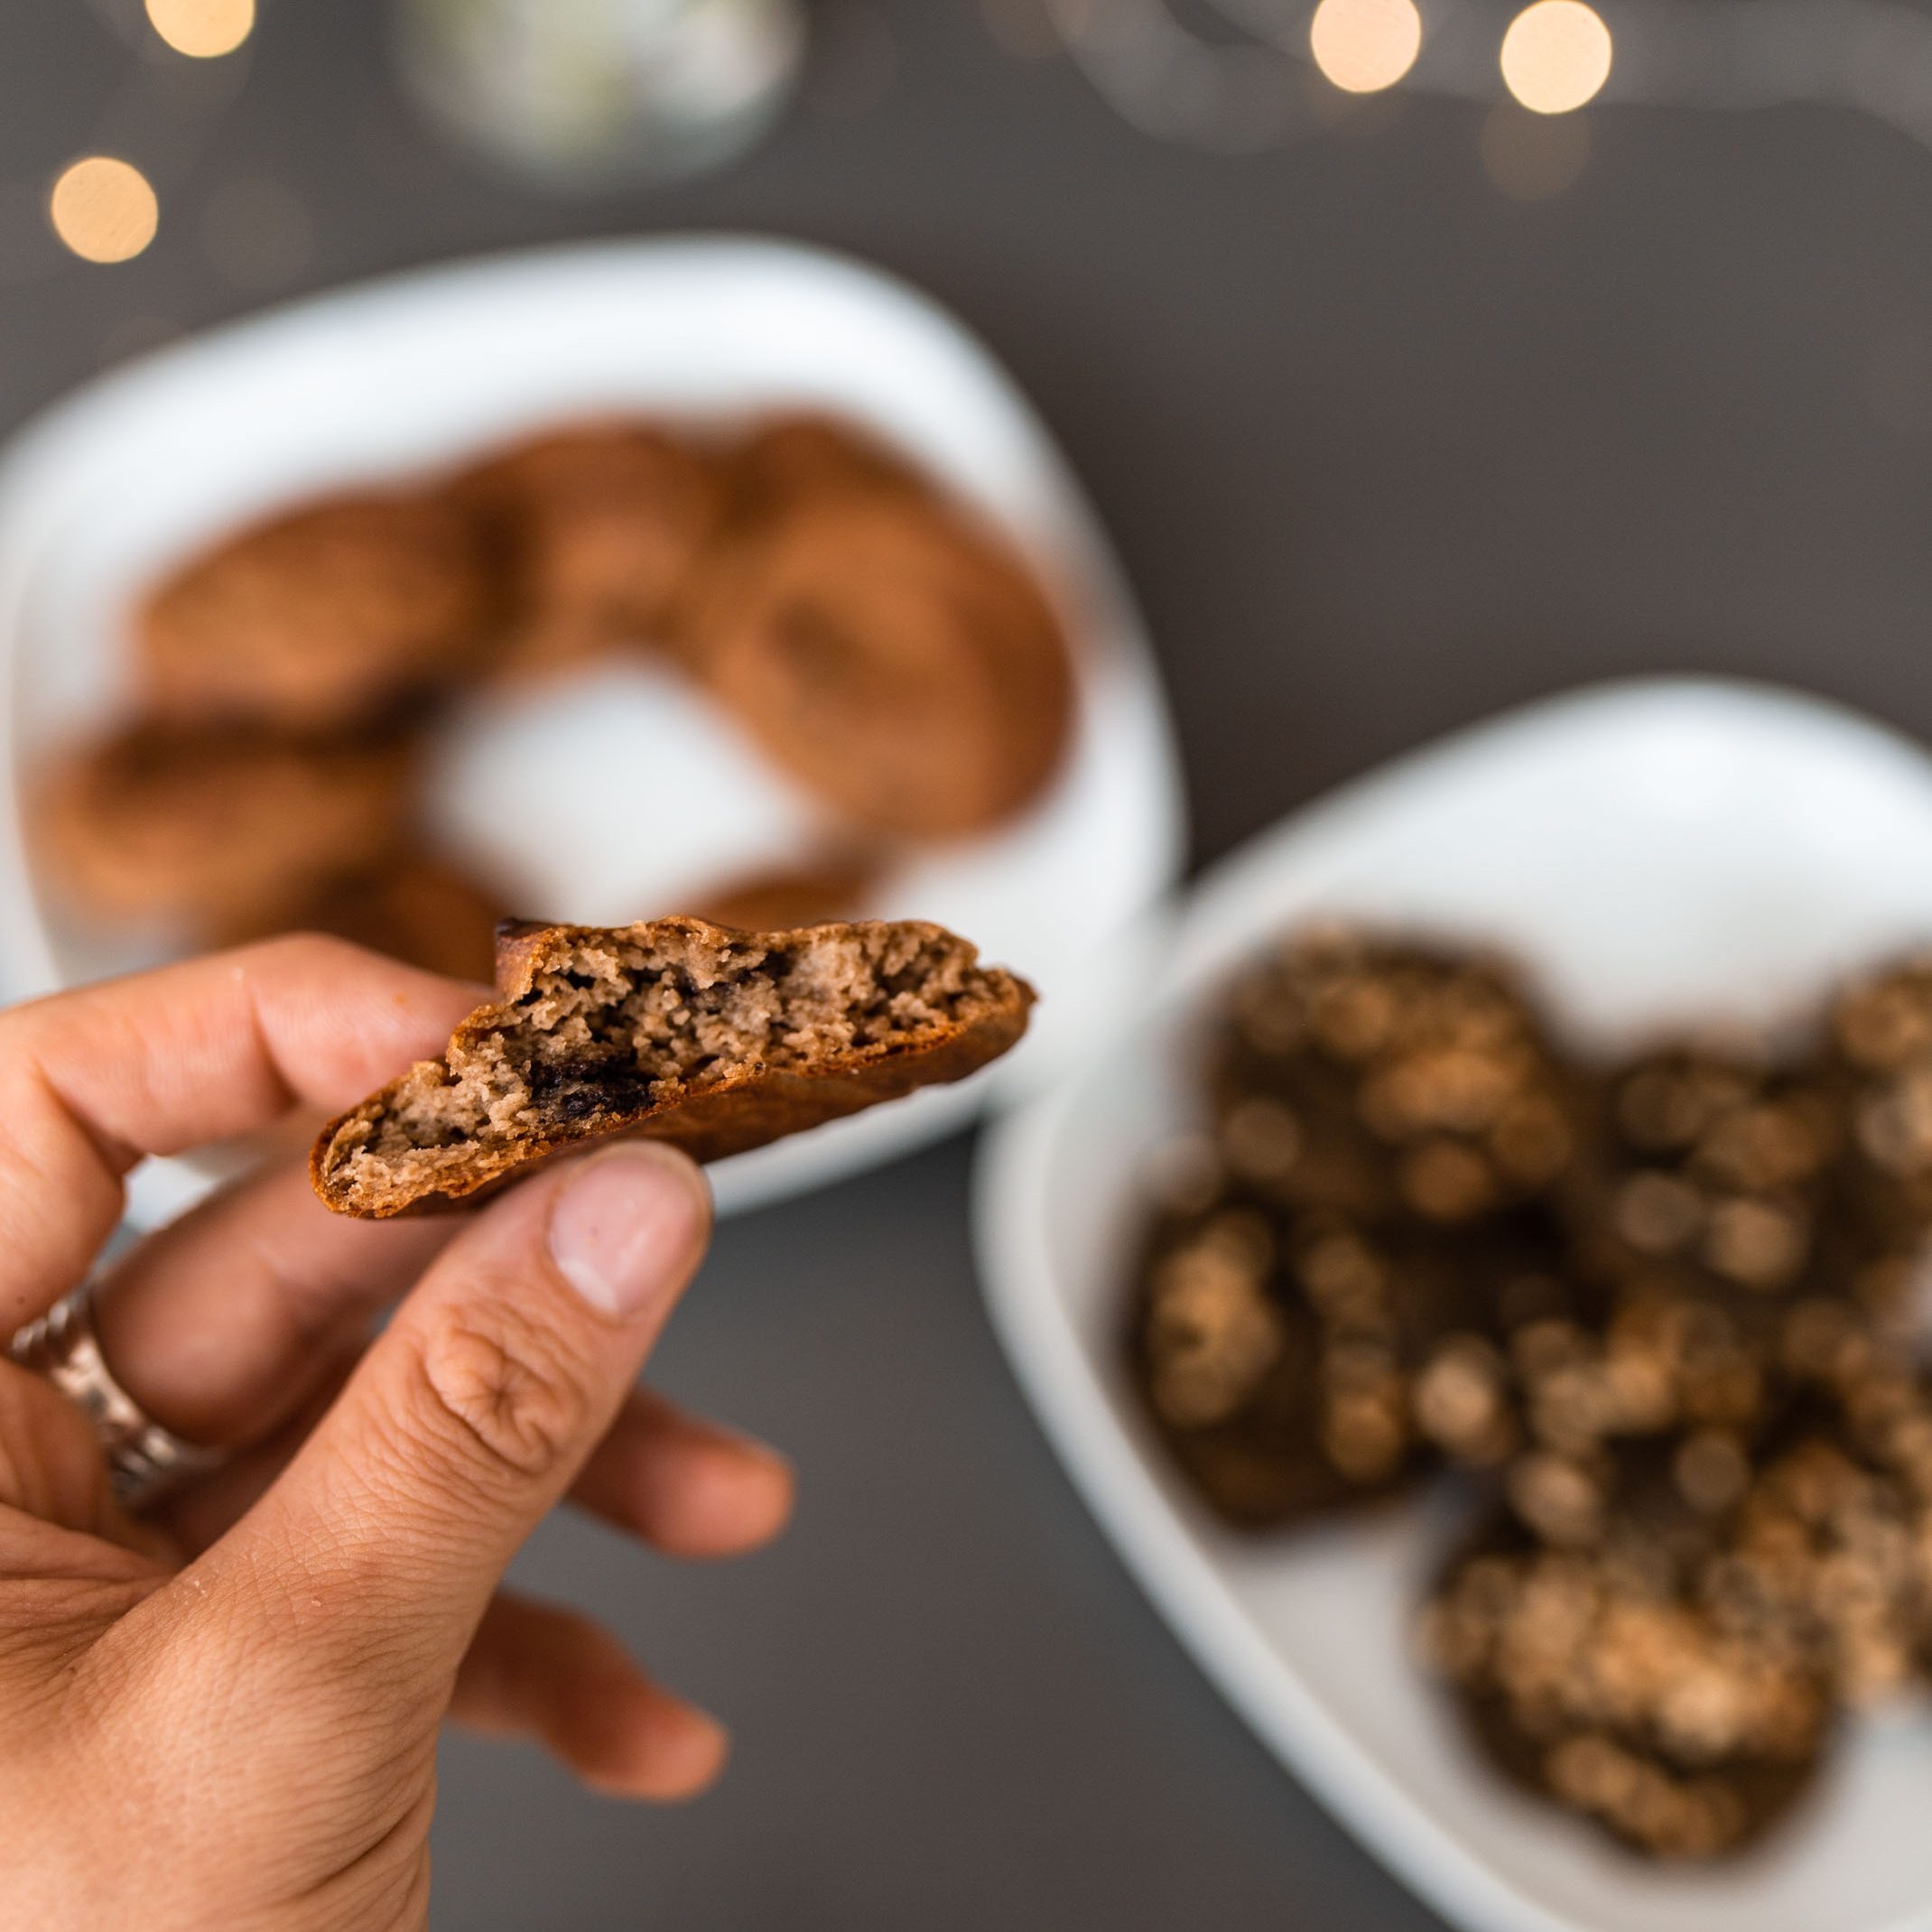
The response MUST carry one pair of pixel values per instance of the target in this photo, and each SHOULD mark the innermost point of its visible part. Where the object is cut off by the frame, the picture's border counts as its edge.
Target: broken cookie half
(713, 1039)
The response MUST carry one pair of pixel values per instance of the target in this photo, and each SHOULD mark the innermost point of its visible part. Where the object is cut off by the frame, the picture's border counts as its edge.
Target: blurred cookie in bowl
(1391, 1079)
(1720, 1160)
(197, 826)
(1879, 1055)
(595, 528)
(328, 617)
(836, 885)
(1297, 1367)
(807, 455)
(1596, 1678)
(411, 904)
(897, 661)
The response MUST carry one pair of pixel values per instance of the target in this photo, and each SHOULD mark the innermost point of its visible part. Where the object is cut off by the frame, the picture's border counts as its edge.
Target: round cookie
(599, 526)
(164, 822)
(898, 663)
(322, 620)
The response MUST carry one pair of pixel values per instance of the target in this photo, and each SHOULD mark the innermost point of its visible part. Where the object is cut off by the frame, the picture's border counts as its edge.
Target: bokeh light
(1556, 56)
(103, 209)
(203, 29)
(1364, 46)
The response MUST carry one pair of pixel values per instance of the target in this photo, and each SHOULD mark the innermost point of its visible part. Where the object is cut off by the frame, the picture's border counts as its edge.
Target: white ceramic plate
(409, 373)
(1655, 852)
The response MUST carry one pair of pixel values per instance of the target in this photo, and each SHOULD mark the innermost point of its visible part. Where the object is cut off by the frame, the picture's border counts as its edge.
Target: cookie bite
(892, 658)
(207, 826)
(673, 1029)
(324, 618)
(596, 528)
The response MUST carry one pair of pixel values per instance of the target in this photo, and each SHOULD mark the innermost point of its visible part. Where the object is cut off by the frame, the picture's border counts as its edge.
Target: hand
(224, 1714)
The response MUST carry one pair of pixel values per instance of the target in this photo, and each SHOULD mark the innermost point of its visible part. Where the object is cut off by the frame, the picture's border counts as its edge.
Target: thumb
(473, 1412)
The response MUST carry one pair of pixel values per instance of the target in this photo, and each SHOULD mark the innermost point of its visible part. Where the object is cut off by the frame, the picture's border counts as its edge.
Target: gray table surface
(1382, 450)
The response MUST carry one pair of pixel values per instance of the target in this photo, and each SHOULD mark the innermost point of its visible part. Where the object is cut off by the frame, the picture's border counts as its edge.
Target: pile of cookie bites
(1657, 1315)
(881, 646)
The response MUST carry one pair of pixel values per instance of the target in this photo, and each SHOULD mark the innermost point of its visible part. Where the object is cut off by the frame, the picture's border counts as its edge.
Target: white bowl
(1655, 852)
(411, 371)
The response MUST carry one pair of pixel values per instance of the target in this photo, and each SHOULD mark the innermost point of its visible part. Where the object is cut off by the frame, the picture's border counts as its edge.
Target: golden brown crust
(745, 1107)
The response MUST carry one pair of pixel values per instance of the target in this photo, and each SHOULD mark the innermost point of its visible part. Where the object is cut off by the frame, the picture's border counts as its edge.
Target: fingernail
(624, 1230)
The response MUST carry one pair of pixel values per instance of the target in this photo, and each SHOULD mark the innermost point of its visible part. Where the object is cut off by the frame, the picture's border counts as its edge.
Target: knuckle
(511, 1391)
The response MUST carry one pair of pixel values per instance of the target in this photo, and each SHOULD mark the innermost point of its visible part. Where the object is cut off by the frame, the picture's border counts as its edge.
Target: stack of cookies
(1659, 1315)
(891, 654)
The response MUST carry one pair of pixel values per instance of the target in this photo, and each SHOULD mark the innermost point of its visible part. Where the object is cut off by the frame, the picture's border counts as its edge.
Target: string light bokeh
(1172, 79)
(204, 30)
(1362, 46)
(104, 208)
(1556, 56)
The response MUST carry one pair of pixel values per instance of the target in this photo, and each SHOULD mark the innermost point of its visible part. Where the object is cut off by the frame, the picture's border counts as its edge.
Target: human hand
(224, 1712)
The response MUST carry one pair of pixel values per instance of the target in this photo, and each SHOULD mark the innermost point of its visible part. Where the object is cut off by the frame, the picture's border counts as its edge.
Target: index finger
(93, 1080)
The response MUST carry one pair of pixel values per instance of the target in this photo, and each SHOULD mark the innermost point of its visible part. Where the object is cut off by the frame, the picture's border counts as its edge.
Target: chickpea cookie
(322, 620)
(209, 826)
(892, 658)
(597, 528)
(673, 1029)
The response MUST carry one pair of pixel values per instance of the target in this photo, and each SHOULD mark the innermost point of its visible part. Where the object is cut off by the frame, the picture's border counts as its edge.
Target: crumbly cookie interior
(612, 1028)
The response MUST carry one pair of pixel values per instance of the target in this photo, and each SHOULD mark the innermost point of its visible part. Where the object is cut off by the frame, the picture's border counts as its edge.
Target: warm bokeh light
(202, 28)
(1556, 56)
(103, 209)
(1364, 46)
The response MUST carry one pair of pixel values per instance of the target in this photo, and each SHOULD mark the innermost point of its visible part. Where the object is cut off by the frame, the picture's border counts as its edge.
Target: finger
(685, 1485)
(58, 1511)
(539, 1672)
(208, 1508)
(473, 1413)
(221, 1323)
(51, 1464)
(90, 1080)
(681, 1484)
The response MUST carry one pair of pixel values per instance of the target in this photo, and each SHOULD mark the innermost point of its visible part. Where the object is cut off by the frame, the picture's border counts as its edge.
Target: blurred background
(1400, 400)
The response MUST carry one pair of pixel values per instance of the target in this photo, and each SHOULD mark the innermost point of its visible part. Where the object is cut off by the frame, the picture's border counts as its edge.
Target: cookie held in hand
(673, 1029)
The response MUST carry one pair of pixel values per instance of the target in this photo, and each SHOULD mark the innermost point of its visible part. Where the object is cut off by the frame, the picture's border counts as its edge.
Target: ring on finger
(144, 1461)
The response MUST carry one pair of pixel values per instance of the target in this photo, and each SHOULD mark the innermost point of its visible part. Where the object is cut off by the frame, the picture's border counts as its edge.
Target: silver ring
(144, 1461)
